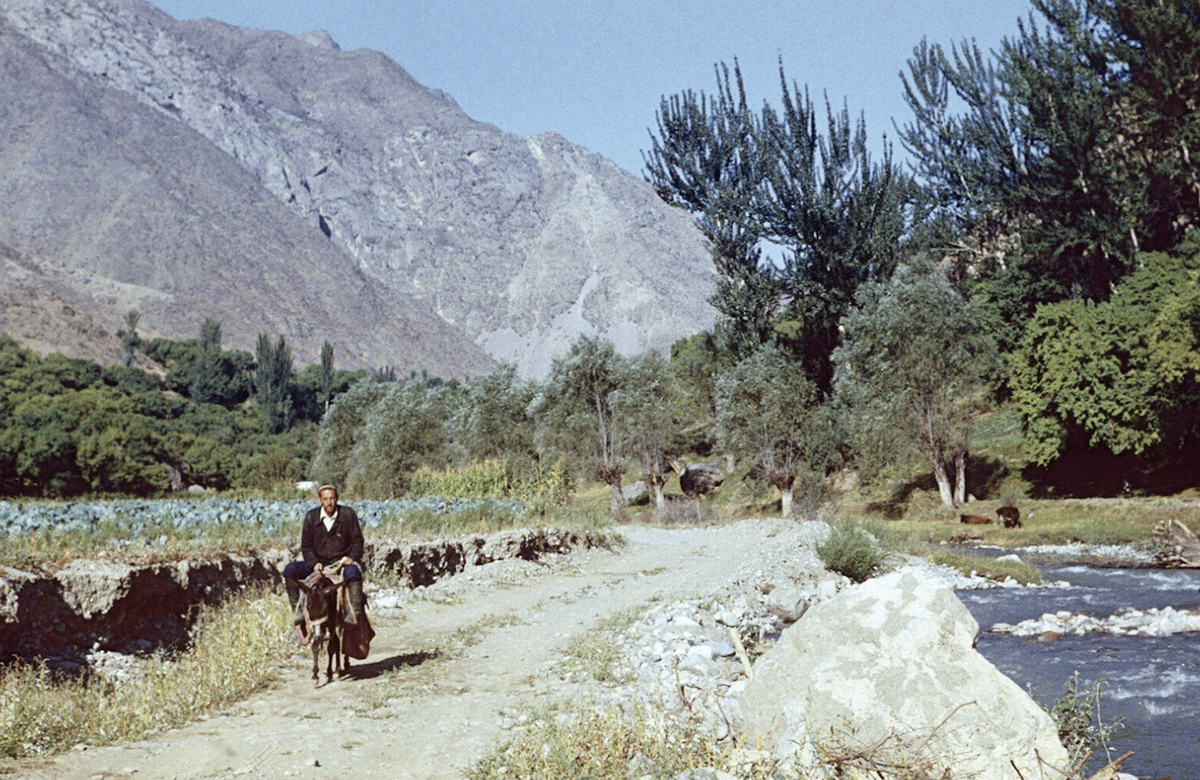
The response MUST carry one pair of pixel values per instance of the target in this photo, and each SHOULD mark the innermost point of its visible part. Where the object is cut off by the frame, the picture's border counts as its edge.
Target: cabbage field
(187, 516)
(36, 531)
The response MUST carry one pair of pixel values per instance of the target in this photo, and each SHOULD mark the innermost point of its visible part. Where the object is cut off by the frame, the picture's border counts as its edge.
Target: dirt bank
(132, 607)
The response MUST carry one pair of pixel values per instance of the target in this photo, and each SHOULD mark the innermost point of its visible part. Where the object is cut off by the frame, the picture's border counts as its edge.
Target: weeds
(1077, 715)
(611, 743)
(235, 650)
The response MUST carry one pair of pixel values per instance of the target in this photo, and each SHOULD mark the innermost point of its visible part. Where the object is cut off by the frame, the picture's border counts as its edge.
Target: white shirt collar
(329, 520)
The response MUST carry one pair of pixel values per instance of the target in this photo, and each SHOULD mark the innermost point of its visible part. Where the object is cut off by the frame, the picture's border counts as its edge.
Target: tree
(342, 427)
(326, 377)
(912, 371)
(492, 420)
(649, 403)
(773, 176)
(404, 429)
(130, 340)
(211, 374)
(1076, 136)
(1122, 374)
(272, 377)
(705, 159)
(767, 411)
(577, 417)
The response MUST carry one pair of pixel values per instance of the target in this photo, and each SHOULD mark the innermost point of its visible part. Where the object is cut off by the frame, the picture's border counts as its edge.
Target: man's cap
(323, 488)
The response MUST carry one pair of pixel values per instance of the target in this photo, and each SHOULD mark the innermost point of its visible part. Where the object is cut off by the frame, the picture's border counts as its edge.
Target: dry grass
(236, 649)
(611, 743)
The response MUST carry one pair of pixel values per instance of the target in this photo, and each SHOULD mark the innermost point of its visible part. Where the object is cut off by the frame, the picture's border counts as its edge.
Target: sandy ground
(435, 712)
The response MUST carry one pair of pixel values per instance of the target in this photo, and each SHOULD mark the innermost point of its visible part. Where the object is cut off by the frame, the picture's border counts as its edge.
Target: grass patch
(595, 654)
(1000, 571)
(611, 743)
(235, 650)
(1060, 521)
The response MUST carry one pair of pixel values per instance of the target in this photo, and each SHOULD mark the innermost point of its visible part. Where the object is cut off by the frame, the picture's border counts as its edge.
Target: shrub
(1077, 715)
(855, 548)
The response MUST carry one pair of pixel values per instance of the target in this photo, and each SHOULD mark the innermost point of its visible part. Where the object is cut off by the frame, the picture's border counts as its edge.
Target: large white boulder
(893, 661)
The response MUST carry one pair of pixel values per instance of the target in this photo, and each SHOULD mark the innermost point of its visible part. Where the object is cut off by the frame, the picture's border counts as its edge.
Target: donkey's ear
(304, 586)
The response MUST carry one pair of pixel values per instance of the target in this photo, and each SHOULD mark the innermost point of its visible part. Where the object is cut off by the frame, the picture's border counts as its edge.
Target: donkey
(324, 607)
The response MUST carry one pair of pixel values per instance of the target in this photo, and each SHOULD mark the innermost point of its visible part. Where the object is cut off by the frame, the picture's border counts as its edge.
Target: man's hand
(347, 561)
(319, 567)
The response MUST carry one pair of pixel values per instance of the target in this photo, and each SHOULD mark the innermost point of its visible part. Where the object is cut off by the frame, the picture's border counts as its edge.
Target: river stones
(892, 661)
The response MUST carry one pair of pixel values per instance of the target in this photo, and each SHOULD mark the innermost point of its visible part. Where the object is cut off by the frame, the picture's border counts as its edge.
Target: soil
(418, 708)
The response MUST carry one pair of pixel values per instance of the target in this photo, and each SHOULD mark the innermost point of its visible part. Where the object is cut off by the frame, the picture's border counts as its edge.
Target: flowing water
(1152, 684)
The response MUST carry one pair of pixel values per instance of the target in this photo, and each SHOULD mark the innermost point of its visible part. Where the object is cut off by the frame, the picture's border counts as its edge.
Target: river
(1152, 684)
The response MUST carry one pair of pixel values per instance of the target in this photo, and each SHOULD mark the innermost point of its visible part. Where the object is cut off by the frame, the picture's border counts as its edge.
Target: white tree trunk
(660, 500)
(943, 480)
(785, 496)
(616, 501)
(960, 478)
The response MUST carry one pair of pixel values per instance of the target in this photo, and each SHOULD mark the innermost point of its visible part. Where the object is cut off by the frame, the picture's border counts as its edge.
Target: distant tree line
(217, 418)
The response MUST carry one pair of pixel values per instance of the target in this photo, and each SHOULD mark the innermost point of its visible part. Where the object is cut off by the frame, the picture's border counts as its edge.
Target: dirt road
(416, 709)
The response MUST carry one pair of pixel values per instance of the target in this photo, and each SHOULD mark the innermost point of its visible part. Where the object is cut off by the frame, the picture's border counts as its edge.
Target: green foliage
(576, 412)
(492, 420)
(1077, 715)
(772, 175)
(341, 427)
(1123, 374)
(912, 372)
(1077, 136)
(272, 377)
(855, 549)
(68, 427)
(405, 428)
(650, 405)
(130, 340)
(496, 479)
(767, 412)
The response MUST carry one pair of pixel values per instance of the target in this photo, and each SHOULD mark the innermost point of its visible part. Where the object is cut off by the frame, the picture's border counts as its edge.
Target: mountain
(515, 245)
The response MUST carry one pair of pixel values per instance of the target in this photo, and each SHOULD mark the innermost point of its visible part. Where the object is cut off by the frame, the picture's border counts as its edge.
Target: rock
(637, 493)
(1009, 559)
(788, 602)
(893, 659)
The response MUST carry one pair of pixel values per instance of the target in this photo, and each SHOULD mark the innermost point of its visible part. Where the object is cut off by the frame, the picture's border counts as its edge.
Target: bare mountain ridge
(520, 244)
(106, 206)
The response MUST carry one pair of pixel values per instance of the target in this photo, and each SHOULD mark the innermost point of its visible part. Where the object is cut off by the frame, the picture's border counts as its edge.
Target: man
(330, 534)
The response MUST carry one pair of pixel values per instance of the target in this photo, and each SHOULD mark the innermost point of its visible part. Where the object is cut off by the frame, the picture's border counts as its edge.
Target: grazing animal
(974, 520)
(700, 479)
(324, 607)
(1010, 516)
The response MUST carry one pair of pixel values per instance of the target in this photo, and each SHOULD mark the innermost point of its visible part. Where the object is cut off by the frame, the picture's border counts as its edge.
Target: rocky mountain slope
(518, 244)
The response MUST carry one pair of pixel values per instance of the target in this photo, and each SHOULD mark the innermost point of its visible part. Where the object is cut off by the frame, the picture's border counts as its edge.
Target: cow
(974, 520)
(1010, 516)
(323, 606)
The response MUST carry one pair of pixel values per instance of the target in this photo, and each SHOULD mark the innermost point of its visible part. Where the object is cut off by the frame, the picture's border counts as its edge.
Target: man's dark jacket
(345, 539)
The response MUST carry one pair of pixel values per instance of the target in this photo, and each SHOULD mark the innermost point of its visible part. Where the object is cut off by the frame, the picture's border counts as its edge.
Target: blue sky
(595, 70)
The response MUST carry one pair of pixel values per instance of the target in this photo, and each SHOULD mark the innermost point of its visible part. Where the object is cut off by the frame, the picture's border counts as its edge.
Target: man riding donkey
(330, 536)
